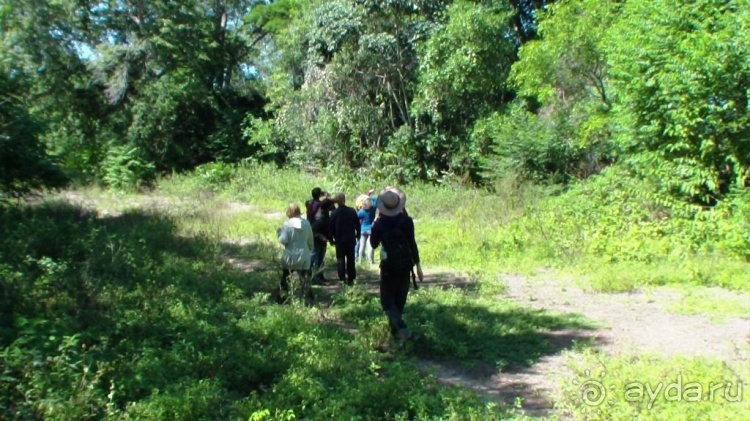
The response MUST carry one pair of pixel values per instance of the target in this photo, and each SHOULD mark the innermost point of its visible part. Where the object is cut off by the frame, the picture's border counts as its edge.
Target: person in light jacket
(297, 237)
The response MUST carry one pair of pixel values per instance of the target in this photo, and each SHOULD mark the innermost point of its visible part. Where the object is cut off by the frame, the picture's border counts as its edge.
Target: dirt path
(637, 322)
(630, 324)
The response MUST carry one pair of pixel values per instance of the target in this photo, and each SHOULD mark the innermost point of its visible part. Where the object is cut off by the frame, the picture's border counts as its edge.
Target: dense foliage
(682, 75)
(548, 91)
(24, 164)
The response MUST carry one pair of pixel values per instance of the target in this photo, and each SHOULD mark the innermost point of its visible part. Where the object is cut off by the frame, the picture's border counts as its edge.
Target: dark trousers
(318, 256)
(345, 262)
(394, 287)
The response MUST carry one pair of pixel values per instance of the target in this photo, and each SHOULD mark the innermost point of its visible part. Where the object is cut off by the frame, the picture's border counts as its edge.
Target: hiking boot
(403, 335)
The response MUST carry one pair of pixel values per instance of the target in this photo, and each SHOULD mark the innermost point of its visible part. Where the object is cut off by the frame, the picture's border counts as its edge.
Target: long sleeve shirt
(401, 221)
(297, 237)
(345, 229)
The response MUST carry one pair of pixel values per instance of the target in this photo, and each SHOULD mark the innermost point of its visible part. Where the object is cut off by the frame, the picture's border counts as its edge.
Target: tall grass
(135, 306)
(608, 231)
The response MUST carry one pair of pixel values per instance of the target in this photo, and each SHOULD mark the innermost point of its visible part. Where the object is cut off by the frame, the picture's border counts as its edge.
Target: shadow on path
(492, 346)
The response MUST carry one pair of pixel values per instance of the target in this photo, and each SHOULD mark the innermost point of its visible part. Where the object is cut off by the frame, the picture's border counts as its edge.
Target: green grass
(466, 327)
(600, 229)
(140, 309)
(717, 305)
(647, 387)
(135, 313)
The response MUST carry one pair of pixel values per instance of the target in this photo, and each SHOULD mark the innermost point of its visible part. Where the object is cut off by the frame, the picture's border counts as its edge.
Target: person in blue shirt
(366, 216)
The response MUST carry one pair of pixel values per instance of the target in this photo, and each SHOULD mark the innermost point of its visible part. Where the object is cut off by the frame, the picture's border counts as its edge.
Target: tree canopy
(553, 91)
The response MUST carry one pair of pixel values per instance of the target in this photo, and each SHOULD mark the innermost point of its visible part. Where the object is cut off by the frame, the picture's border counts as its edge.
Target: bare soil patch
(638, 321)
(237, 207)
(630, 324)
(113, 205)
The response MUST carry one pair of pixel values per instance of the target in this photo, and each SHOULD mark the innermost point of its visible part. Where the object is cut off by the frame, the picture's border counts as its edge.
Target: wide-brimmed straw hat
(391, 201)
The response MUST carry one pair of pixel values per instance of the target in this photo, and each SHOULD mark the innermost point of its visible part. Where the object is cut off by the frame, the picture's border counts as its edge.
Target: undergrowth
(161, 309)
(138, 313)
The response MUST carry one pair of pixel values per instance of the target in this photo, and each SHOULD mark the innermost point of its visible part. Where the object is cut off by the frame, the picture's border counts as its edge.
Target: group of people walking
(379, 222)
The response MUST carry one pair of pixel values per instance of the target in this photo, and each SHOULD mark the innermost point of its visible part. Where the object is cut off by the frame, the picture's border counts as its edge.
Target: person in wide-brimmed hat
(393, 231)
(391, 201)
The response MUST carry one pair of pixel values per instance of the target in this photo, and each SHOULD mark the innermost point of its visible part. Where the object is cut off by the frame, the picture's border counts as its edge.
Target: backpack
(311, 206)
(398, 254)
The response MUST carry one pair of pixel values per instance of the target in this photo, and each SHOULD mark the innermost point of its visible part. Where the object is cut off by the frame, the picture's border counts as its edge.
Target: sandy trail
(629, 324)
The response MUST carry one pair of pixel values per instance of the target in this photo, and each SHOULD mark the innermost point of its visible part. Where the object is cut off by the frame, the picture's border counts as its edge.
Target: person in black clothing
(396, 260)
(321, 228)
(345, 231)
(312, 205)
(312, 208)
